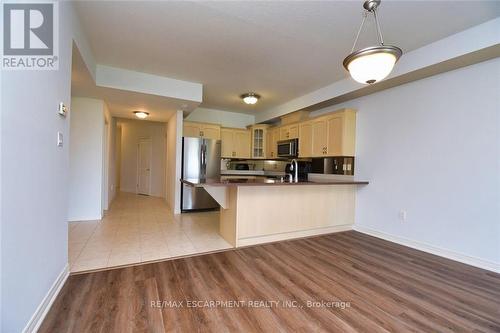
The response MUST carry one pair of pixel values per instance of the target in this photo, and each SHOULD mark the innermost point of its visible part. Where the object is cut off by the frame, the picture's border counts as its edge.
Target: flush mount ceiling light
(250, 98)
(374, 63)
(141, 114)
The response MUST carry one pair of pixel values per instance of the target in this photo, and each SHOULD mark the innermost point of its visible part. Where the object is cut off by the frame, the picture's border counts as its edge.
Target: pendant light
(374, 63)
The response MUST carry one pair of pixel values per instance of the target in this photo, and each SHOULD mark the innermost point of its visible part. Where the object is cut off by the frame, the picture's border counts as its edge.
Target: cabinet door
(305, 140)
(272, 141)
(319, 137)
(242, 143)
(283, 133)
(269, 143)
(191, 130)
(293, 131)
(335, 136)
(210, 131)
(227, 143)
(258, 143)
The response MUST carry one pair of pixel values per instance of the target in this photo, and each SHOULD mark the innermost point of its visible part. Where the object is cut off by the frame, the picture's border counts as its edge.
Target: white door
(144, 167)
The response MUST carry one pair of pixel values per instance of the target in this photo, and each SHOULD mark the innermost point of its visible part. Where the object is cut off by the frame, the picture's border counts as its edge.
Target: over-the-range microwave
(288, 148)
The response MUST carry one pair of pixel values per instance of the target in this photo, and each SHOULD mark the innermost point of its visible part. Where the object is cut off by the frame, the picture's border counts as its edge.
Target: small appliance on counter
(340, 165)
(241, 167)
(305, 167)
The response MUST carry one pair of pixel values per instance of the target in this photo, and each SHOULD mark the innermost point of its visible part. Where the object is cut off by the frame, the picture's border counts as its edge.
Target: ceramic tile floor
(139, 229)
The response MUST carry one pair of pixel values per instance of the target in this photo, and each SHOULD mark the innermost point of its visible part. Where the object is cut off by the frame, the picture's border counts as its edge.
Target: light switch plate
(62, 109)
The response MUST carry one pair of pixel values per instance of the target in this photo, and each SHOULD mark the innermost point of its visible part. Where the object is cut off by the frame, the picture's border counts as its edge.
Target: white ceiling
(123, 103)
(279, 49)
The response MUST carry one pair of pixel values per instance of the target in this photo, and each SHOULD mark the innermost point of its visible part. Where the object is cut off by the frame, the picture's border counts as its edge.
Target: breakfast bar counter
(255, 211)
(263, 182)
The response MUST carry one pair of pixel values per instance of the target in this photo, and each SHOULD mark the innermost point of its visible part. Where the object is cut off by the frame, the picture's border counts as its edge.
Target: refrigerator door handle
(203, 161)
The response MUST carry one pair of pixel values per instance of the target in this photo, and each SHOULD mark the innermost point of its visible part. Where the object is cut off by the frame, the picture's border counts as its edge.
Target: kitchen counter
(262, 210)
(264, 182)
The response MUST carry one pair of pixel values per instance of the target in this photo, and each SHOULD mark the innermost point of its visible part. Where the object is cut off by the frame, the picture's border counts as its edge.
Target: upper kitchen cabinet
(342, 133)
(289, 132)
(201, 130)
(272, 142)
(330, 135)
(259, 140)
(236, 143)
(305, 139)
(319, 129)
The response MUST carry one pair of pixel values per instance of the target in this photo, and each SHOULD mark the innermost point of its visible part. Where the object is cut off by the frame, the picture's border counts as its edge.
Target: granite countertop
(263, 182)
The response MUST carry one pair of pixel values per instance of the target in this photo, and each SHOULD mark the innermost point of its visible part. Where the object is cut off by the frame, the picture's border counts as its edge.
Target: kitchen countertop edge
(217, 182)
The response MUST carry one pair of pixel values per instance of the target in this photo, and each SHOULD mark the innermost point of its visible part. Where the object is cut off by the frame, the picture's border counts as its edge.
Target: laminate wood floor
(358, 283)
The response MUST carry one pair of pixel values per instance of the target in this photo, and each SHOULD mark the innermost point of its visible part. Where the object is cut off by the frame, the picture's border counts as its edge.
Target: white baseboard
(291, 235)
(85, 218)
(463, 258)
(44, 307)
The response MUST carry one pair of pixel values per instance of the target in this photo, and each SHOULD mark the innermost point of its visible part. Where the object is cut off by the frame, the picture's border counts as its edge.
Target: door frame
(144, 139)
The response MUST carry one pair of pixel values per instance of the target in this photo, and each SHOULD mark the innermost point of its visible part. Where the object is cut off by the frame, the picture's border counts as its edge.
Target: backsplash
(256, 165)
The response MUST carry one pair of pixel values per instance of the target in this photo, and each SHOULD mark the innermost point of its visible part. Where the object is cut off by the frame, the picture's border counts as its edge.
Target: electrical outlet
(402, 215)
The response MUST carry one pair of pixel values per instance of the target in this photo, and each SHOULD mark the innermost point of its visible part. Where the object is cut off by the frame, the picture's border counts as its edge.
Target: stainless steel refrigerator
(200, 160)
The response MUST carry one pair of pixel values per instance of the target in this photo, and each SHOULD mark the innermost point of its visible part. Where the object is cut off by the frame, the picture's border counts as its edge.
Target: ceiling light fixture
(141, 114)
(250, 98)
(374, 63)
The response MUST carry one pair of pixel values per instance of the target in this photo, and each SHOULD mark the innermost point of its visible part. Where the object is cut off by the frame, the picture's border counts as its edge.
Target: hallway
(140, 229)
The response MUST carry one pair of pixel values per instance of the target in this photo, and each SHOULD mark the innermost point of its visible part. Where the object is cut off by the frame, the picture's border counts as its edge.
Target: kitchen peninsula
(257, 211)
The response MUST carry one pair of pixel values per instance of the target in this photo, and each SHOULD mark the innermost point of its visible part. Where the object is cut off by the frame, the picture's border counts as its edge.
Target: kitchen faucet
(294, 166)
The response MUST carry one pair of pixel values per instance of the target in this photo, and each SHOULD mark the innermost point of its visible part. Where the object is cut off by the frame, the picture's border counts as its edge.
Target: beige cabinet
(319, 137)
(201, 130)
(289, 132)
(259, 141)
(330, 135)
(235, 143)
(305, 139)
(272, 142)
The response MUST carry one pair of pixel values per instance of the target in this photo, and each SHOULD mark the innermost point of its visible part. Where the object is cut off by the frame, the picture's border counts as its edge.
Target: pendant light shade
(374, 63)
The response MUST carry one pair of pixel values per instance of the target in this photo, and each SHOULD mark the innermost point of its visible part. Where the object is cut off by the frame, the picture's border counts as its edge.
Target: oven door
(288, 148)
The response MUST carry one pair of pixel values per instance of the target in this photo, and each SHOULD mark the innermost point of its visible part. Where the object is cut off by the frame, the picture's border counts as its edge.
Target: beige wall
(86, 159)
(174, 156)
(131, 132)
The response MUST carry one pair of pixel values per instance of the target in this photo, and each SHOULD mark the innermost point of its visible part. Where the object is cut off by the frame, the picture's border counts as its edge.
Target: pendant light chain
(381, 40)
(365, 13)
(379, 31)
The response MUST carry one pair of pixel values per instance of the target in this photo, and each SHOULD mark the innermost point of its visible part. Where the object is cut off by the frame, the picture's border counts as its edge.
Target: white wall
(35, 176)
(131, 132)
(224, 118)
(112, 166)
(432, 147)
(87, 159)
(174, 157)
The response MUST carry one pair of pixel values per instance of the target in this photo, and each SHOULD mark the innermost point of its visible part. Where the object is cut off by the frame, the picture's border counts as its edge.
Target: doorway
(144, 157)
